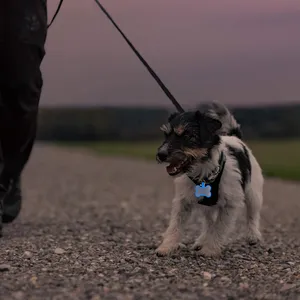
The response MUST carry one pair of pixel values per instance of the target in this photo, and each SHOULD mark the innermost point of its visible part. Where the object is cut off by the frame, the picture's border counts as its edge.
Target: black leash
(56, 12)
(150, 70)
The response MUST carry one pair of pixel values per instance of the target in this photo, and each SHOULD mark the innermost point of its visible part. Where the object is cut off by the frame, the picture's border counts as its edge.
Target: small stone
(288, 270)
(90, 270)
(291, 263)
(182, 287)
(59, 251)
(18, 295)
(238, 256)
(33, 280)
(244, 286)
(287, 287)
(28, 254)
(253, 266)
(206, 275)
(4, 267)
(172, 272)
(225, 278)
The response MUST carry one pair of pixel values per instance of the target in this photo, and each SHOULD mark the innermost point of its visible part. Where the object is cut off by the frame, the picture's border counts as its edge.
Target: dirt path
(90, 225)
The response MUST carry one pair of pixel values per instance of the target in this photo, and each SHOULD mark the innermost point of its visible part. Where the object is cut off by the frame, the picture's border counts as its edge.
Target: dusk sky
(237, 52)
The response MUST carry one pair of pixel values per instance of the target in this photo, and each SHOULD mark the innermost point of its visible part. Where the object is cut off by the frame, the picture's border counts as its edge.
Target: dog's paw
(165, 250)
(199, 242)
(197, 246)
(210, 251)
(254, 238)
(253, 241)
(182, 246)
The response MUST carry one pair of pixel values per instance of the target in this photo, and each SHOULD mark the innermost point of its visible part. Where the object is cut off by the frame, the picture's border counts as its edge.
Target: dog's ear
(211, 124)
(172, 116)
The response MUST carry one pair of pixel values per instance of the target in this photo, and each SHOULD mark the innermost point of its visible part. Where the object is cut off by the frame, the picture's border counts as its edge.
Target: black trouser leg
(20, 93)
(23, 29)
(21, 53)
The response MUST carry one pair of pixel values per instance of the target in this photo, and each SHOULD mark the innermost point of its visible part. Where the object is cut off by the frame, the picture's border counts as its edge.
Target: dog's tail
(229, 124)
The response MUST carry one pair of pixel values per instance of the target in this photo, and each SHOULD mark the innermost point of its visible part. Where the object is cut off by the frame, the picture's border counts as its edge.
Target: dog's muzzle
(161, 157)
(178, 161)
(162, 153)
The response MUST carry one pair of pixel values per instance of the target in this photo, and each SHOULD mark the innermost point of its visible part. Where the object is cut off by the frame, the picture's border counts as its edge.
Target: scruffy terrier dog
(207, 147)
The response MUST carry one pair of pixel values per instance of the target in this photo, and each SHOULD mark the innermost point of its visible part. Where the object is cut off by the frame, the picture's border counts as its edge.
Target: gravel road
(90, 225)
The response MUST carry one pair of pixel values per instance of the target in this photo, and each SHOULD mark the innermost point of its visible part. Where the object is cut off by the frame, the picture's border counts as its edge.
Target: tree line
(123, 123)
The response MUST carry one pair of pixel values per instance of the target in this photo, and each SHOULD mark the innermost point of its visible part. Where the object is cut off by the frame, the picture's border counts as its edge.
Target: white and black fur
(241, 185)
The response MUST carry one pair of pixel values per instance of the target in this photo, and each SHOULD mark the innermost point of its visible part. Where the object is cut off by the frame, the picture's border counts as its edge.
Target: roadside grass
(277, 158)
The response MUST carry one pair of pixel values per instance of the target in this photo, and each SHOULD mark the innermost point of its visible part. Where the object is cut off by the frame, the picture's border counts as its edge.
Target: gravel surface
(90, 225)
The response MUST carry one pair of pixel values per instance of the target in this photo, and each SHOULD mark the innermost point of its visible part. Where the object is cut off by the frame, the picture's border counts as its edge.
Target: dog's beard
(175, 167)
(181, 161)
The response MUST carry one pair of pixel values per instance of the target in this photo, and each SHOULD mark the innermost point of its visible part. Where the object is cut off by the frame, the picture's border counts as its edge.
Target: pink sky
(238, 52)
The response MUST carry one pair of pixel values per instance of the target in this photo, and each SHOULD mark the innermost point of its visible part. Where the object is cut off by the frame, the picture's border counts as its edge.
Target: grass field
(277, 158)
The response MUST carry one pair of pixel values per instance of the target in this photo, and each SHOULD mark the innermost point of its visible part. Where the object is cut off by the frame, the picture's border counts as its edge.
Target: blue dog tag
(203, 190)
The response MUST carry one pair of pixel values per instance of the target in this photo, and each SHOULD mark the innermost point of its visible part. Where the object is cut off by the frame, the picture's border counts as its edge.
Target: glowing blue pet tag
(203, 190)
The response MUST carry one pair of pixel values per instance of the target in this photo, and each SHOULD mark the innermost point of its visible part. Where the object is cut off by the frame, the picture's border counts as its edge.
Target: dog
(207, 146)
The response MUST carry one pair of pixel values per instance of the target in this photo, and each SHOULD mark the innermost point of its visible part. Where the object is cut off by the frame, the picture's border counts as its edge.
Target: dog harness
(214, 181)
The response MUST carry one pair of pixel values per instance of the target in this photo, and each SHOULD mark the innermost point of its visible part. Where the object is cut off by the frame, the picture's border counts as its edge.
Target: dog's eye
(189, 137)
(179, 130)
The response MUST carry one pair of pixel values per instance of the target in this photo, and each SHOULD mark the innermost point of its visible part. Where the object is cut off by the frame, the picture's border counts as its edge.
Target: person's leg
(22, 42)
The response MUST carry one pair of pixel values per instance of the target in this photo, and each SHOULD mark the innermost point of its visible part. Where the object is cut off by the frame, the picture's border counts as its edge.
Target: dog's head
(188, 138)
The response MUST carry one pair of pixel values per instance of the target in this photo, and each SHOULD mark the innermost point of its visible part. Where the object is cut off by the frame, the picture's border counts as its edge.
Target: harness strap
(213, 182)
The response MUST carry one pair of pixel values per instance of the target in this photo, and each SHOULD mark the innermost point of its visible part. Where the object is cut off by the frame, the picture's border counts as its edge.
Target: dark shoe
(12, 201)
(3, 192)
(1, 212)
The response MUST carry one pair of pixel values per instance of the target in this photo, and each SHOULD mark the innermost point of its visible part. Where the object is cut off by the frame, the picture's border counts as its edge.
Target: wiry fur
(229, 124)
(241, 184)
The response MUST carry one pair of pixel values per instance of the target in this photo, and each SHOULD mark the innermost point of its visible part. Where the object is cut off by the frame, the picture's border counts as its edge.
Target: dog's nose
(162, 156)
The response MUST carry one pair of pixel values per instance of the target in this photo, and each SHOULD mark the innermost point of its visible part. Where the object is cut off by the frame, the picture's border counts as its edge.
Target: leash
(144, 62)
(56, 13)
(150, 70)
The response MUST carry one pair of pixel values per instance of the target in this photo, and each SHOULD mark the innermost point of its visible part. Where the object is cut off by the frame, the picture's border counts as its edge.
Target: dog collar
(214, 181)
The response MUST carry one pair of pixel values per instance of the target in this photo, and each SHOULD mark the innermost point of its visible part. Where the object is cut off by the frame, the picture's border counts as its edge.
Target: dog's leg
(181, 210)
(208, 219)
(253, 201)
(218, 233)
